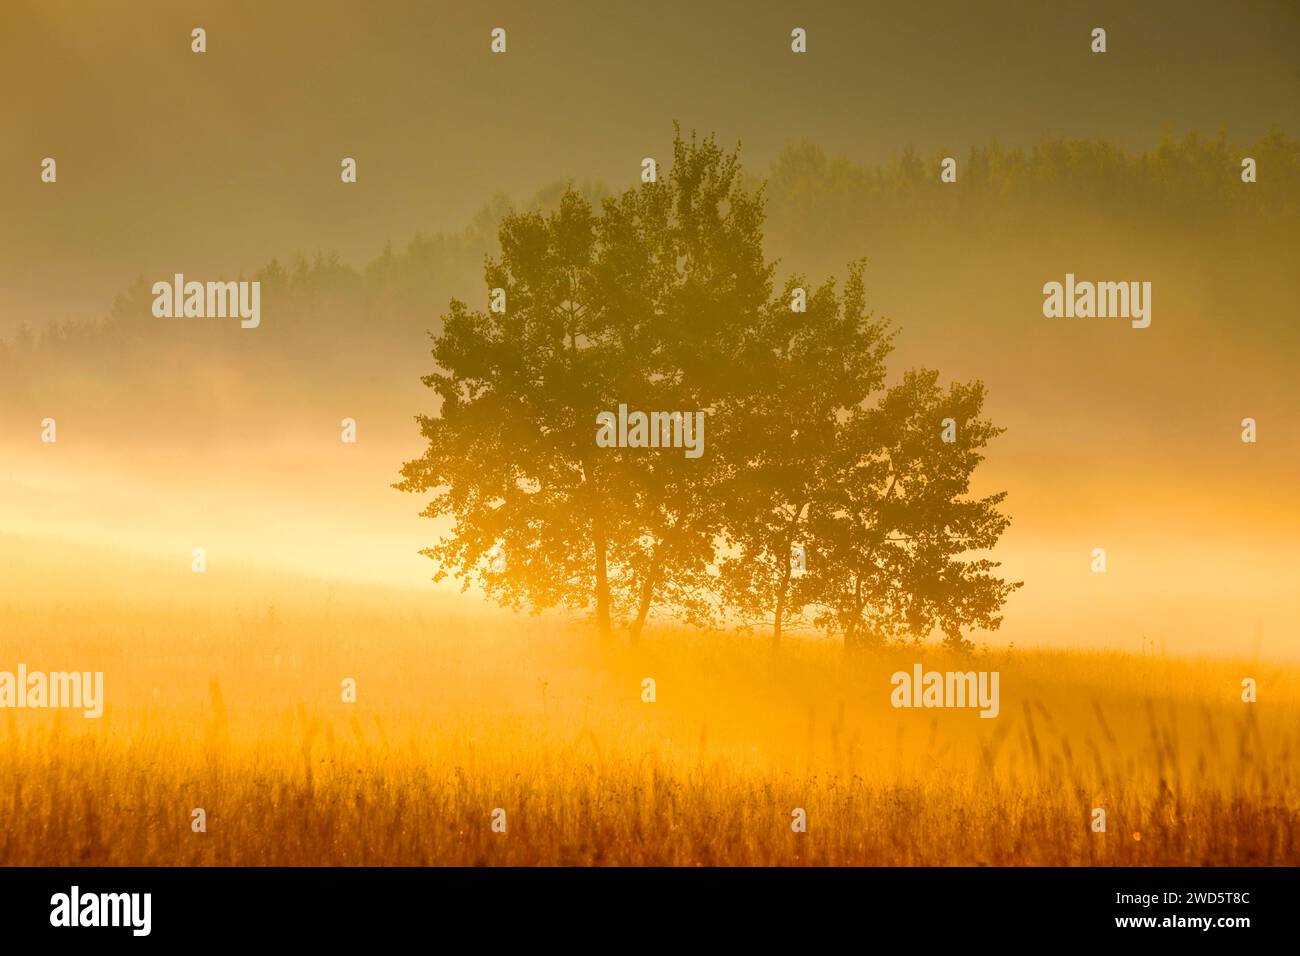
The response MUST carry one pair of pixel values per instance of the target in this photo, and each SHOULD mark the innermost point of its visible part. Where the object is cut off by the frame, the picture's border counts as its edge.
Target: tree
(647, 304)
(817, 367)
(663, 302)
(896, 521)
(509, 456)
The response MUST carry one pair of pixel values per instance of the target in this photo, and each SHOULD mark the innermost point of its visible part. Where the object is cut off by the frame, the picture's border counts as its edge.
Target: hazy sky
(170, 160)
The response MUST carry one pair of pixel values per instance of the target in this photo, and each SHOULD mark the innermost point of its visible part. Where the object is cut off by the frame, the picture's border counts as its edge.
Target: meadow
(234, 705)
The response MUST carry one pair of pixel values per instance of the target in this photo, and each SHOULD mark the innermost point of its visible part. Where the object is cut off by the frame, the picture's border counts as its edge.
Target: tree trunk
(600, 546)
(786, 572)
(643, 608)
(853, 629)
(780, 605)
(602, 586)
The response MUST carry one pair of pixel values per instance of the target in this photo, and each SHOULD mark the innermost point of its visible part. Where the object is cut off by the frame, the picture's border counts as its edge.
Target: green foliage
(663, 301)
(641, 305)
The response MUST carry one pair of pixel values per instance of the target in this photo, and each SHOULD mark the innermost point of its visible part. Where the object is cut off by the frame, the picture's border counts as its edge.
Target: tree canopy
(820, 496)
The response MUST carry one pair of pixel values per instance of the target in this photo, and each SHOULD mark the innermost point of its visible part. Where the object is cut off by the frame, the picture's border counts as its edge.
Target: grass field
(239, 712)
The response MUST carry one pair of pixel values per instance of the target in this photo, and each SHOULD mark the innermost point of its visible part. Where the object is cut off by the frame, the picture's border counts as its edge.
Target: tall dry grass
(239, 712)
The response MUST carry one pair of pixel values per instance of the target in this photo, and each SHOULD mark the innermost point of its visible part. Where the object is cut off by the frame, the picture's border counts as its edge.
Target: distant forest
(330, 326)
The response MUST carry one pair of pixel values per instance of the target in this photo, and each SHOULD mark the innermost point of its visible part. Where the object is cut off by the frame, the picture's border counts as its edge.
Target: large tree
(893, 534)
(815, 368)
(647, 304)
(662, 301)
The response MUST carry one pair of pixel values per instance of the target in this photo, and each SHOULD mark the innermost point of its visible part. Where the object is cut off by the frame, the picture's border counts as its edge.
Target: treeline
(330, 324)
(823, 496)
(1193, 178)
